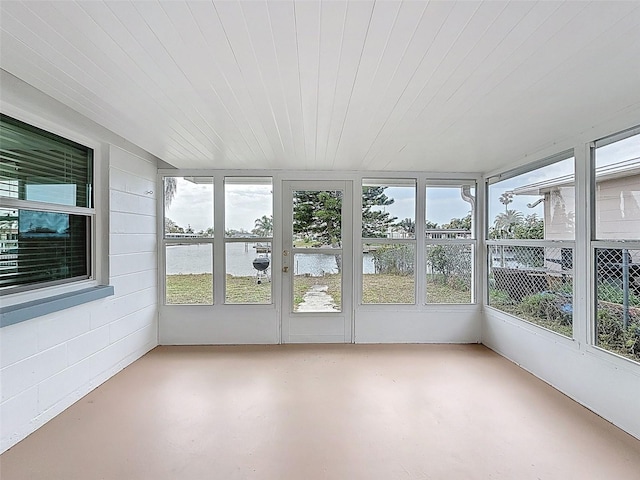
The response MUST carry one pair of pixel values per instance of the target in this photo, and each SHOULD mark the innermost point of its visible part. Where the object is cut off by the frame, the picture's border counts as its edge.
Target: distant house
(617, 215)
(436, 233)
(618, 202)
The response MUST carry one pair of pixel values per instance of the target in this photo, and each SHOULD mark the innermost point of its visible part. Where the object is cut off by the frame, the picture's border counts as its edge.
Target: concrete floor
(325, 412)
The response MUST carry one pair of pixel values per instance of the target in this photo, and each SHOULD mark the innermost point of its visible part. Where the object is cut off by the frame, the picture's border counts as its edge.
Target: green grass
(197, 289)
(388, 288)
(438, 292)
(191, 289)
(247, 290)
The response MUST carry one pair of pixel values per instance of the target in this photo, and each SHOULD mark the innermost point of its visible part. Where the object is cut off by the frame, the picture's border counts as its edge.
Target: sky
(626, 149)
(193, 203)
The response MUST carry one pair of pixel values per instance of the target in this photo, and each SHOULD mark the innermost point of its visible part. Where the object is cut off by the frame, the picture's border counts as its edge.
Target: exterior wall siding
(618, 208)
(559, 214)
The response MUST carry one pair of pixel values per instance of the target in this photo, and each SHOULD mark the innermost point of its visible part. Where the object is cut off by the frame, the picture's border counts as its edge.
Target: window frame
(594, 243)
(472, 241)
(97, 245)
(359, 257)
(165, 241)
(536, 243)
(227, 240)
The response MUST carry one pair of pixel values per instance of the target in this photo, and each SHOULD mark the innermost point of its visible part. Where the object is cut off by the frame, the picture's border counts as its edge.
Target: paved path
(317, 300)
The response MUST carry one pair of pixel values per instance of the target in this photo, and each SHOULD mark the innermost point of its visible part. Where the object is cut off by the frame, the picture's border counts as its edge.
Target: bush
(499, 297)
(614, 337)
(615, 294)
(451, 264)
(394, 259)
(548, 305)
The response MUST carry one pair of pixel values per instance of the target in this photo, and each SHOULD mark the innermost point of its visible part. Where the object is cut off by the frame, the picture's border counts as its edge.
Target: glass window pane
(449, 273)
(42, 247)
(534, 284)
(8, 242)
(450, 211)
(248, 207)
(389, 208)
(618, 190)
(618, 301)
(388, 273)
(39, 166)
(188, 207)
(317, 283)
(317, 218)
(248, 268)
(189, 274)
(539, 204)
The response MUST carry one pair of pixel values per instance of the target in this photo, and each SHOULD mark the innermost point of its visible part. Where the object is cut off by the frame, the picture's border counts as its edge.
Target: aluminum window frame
(96, 262)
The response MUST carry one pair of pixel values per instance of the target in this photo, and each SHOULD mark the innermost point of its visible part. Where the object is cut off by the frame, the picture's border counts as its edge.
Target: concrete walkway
(317, 300)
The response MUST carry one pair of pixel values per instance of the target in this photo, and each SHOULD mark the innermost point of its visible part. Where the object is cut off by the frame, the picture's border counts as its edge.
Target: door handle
(285, 269)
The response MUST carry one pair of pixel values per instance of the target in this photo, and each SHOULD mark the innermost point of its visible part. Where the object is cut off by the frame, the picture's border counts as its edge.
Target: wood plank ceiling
(346, 85)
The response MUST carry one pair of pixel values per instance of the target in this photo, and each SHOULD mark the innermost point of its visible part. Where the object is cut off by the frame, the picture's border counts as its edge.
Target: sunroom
(277, 187)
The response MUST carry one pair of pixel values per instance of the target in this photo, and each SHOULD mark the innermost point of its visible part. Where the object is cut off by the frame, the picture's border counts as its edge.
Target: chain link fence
(449, 273)
(534, 284)
(618, 301)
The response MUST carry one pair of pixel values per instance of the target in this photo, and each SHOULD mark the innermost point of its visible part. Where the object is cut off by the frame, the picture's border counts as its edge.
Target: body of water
(184, 259)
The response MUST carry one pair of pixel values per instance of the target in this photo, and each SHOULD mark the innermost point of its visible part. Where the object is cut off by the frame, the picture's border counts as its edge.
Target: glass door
(317, 262)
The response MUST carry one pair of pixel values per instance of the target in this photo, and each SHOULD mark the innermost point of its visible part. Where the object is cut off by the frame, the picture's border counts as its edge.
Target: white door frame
(316, 327)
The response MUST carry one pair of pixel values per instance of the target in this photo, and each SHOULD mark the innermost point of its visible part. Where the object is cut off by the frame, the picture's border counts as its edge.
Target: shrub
(615, 294)
(394, 259)
(547, 305)
(451, 264)
(499, 297)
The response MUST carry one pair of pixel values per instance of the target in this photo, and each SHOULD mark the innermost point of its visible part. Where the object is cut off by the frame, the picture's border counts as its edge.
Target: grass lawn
(437, 292)
(387, 288)
(197, 289)
(191, 289)
(246, 290)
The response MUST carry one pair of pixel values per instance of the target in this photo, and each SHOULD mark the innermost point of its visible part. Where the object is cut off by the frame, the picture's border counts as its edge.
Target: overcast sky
(193, 203)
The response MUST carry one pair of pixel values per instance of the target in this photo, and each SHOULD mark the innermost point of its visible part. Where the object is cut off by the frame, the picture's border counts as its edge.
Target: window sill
(36, 308)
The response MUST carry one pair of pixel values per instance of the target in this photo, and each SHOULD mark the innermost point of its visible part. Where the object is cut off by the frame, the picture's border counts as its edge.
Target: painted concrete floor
(325, 412)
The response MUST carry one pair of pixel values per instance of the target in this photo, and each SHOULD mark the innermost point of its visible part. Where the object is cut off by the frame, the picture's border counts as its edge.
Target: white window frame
(488, 243)
(358, 257)
(228, 240)
(476, 221)
(99, 215)
(595, 243)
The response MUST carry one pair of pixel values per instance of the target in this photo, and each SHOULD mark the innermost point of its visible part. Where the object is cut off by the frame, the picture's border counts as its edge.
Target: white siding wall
(559, 214)
(606, 387)
(48, 363)
(603, 382)
(618, 209)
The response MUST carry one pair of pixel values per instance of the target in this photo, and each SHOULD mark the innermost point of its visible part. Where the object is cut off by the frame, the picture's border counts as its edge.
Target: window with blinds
(46, 207)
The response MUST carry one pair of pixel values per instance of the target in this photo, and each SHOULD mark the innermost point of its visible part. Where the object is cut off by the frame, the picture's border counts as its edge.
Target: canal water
(183, 259)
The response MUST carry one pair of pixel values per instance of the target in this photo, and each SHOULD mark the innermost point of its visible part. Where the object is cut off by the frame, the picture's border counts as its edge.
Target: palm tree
(506, 198)
(263, 226)
(170, 189)
(506, 222)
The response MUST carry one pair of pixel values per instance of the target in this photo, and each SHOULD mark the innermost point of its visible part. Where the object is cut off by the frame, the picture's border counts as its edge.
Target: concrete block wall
(50, 362)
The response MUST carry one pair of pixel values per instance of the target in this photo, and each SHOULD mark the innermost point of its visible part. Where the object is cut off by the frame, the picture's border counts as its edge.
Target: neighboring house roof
(625, 168)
